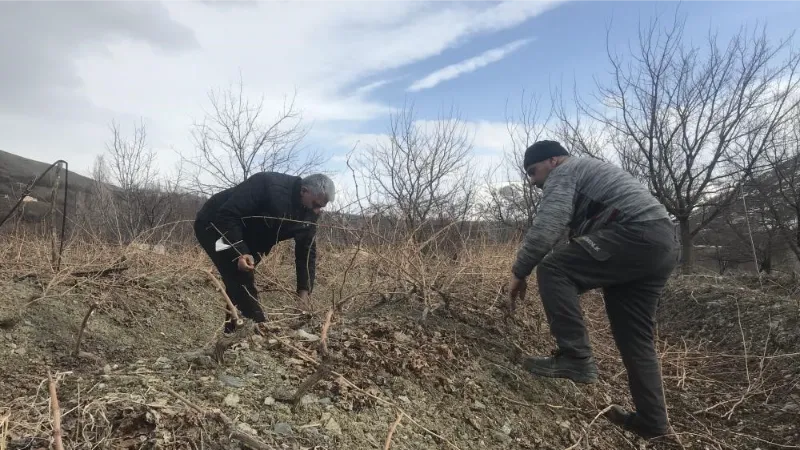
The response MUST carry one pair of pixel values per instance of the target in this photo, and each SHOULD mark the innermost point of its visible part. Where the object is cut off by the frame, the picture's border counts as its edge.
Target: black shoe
(628, 421)
(579, 370)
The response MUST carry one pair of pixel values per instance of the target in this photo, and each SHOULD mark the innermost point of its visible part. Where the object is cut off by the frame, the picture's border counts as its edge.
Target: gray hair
(320, 184)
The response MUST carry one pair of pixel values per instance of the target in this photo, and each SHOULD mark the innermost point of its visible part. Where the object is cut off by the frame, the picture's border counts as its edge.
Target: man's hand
(303, 301)
(517, 288)
(246, 263)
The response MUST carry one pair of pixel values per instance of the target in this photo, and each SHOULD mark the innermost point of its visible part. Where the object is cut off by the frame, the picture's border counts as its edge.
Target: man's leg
(631, 312)
(240, 287)
(610, 257)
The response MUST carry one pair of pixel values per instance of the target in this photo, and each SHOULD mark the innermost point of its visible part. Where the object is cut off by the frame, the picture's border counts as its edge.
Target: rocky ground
(452, 380)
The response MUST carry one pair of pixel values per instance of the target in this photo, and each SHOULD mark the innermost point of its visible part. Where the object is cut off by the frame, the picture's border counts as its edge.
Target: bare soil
(453, 379)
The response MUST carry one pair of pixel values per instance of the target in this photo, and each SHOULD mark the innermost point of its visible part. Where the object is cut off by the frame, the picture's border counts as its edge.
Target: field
(417, 355)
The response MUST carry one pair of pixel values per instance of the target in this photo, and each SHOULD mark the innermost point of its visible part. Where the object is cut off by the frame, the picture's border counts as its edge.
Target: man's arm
(552, 217)
(305, 259)
(250, 198)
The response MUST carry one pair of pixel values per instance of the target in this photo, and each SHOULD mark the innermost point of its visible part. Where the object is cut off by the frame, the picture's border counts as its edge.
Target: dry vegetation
(145, 376)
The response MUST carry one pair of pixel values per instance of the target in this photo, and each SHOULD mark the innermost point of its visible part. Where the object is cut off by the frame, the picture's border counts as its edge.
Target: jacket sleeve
(552, 219)
(250, 198)
(305, 259)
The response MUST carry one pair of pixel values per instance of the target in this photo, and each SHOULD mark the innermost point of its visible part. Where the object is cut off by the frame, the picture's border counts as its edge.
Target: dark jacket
(262, 211)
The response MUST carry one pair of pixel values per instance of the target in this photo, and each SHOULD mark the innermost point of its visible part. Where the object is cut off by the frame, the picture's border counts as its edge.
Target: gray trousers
(631, 264)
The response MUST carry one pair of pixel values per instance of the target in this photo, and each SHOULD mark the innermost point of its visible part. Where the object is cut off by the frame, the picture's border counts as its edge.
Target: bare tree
(514, 202)
(236, 140)
(777, 188)
(577, 131)
(693, 122)
(130, 196)
(423, 172)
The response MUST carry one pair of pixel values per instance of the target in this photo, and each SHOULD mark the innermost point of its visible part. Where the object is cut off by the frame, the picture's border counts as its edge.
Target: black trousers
(631, 264)
(239, 285)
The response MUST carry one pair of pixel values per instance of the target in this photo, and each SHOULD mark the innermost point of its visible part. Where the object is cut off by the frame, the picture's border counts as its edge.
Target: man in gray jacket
(621, 241)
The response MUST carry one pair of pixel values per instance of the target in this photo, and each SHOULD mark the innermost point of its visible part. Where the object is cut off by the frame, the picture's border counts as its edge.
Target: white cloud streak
(157, 61)
(454, 71)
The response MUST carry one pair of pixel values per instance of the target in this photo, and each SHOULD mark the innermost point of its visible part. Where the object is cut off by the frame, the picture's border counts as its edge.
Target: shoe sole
(573, 375)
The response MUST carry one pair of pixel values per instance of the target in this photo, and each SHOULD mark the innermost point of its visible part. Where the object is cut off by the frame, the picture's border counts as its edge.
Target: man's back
(603, 193)
(274, 191)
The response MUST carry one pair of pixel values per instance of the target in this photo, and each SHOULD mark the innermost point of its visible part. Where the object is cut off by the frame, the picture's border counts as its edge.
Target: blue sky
(80, 65)
(568, 44)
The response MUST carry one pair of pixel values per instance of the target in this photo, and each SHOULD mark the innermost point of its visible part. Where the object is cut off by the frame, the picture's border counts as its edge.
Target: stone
(269, 401)
(399, 336)
(231, 399)
(478, 405)
(500, 436)
(791, 407)
(308, 399)
(246, 428)
(232, 381)
(333, 426)
(475, 422)
(306, 336)
(283, 394)
(282, 428)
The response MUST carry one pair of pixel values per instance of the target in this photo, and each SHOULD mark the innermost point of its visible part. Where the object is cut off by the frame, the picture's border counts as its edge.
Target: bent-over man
(238, 225)
(622, 241)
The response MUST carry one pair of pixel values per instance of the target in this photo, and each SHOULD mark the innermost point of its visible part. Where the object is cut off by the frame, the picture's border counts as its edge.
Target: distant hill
(17, 172)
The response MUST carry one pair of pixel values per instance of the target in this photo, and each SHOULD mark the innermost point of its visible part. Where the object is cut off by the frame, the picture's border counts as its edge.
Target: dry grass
(730, 373)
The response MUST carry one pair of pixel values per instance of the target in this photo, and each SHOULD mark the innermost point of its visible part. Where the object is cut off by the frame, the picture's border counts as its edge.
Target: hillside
(17, 172)
(452, 380)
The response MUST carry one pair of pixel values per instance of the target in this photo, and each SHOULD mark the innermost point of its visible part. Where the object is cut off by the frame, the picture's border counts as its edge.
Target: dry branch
(231, 308)
(391, 431)
(115, 268)
(324, 367)
(55, 413)
(323, 342)
(225, 342)
(77, 349)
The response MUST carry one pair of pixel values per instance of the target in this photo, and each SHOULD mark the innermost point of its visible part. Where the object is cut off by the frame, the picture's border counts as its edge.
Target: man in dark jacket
(237, 226)
(622, 241)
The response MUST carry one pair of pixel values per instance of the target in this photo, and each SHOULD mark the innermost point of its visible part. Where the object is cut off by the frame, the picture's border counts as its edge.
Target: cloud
(370, 87)
(468, 65)
(43, 40)
(75, 67)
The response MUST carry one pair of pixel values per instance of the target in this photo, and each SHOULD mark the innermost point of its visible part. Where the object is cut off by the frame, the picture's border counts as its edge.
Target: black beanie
(542, 150)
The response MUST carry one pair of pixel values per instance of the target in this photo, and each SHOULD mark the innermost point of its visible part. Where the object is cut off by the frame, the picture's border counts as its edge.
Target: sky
(70, 69)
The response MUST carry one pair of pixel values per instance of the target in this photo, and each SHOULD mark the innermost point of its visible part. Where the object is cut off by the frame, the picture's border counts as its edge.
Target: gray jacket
(584, 195)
